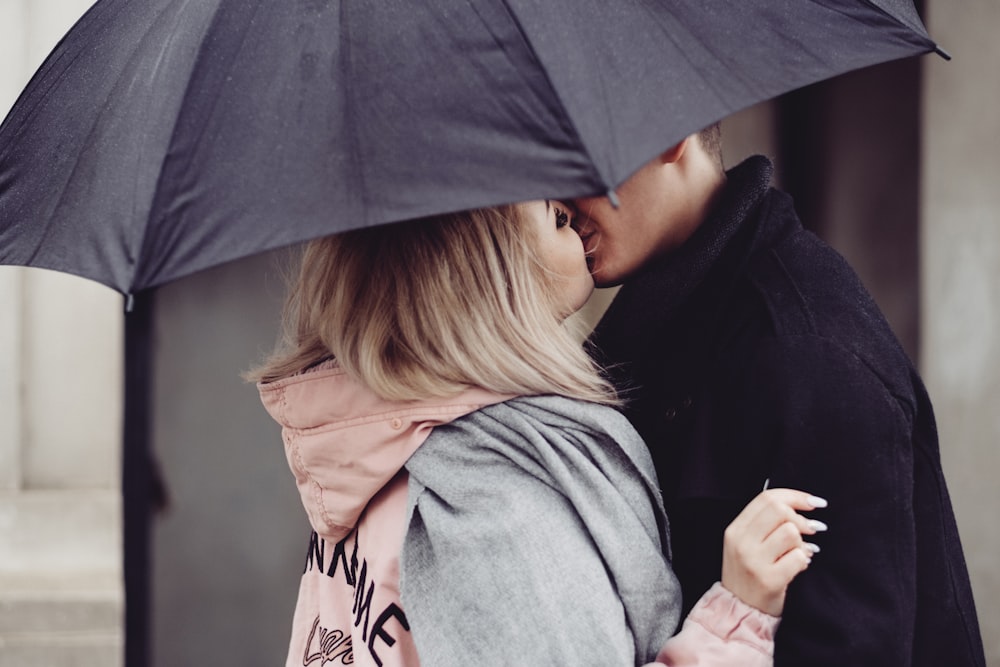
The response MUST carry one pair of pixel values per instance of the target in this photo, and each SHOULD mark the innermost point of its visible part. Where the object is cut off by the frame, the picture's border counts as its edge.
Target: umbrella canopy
(162, 137)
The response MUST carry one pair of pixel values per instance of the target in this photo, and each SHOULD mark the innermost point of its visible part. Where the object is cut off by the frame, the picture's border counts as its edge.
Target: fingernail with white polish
(816, 525)
(809, 546)
(817, 502)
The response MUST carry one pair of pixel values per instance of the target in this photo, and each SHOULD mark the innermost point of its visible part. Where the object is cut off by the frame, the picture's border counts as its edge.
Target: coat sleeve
(721, 630)
(504, 573)
(830, 425)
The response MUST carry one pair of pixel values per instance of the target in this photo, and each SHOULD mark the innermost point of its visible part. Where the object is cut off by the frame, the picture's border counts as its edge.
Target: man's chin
(603, 279)
(604, 284)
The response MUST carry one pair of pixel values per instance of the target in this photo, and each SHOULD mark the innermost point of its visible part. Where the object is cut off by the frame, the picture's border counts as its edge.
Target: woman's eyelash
(562, 218)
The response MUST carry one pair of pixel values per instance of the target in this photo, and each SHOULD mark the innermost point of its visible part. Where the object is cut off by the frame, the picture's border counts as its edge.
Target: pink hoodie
(347, 448)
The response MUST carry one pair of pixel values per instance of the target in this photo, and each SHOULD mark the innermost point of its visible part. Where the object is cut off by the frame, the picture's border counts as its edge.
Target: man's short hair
(711, 141)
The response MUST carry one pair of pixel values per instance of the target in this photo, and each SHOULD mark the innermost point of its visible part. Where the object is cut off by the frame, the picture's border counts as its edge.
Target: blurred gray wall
(849, 153)
(229, 547)
(960, 279)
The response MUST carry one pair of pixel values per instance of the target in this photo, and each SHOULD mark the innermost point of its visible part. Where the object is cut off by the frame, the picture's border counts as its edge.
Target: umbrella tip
(941, 52)
(613, 198)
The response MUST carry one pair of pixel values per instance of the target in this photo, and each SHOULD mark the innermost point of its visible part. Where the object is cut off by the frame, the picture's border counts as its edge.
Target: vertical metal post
(137, 478)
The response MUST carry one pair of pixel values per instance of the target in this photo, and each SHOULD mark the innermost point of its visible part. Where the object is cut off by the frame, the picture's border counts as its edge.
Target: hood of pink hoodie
(344, 443)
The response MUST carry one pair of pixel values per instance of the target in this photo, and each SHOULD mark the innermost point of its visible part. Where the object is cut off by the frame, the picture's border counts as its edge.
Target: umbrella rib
(906, 24)
(49, 63)
(135, 184)
(60, 199)
(705, 77)
(912, 29)
(203, 127)
(612, 135)
(541, 65)
(350, 120)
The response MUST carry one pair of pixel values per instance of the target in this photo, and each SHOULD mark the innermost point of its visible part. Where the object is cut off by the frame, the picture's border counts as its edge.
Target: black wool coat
(754, 354)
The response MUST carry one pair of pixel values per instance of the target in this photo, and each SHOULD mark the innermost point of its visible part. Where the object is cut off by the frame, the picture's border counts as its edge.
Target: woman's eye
(562, 218)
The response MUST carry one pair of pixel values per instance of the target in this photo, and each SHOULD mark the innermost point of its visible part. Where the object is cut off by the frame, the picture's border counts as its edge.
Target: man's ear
(675, 152)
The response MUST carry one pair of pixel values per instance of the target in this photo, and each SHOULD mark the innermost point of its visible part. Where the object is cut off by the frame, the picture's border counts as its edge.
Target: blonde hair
(429, 307)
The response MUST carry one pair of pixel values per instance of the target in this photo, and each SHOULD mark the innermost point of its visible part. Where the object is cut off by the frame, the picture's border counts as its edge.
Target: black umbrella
(161, 137)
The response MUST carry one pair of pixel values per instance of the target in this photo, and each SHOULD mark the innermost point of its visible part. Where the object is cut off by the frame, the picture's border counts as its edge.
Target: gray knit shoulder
(535, 526)
(534, 426)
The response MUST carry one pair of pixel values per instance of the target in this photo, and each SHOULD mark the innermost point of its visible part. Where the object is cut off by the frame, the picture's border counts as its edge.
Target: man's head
(661, 205)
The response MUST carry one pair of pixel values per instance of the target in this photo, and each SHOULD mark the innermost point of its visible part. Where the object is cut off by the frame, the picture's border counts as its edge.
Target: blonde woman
(475, 496)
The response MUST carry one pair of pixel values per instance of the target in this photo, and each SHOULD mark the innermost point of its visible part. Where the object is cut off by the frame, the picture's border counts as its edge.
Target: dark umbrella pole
(138, 479)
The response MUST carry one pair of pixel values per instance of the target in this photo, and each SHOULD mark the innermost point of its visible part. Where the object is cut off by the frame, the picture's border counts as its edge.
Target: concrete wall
(229, 548)
(60, 414)
(960, 256)
(850, 156)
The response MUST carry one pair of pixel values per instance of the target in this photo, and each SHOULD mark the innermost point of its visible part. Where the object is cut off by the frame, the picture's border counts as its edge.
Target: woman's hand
(763, 549)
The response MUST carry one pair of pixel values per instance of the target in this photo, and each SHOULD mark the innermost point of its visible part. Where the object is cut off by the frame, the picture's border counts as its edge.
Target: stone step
(57, 532)
(61, 650)
(61, 621)
(51, 608)
(61, 599)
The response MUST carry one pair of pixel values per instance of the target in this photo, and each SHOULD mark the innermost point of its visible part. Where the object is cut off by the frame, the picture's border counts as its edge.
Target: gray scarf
(536, 536)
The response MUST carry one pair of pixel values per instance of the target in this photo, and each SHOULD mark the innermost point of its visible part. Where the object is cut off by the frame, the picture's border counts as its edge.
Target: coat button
(688, 402)
(670, 414)
(396, 423)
